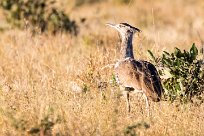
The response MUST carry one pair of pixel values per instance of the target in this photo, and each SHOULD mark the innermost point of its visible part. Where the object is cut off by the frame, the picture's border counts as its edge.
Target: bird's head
(124, 28)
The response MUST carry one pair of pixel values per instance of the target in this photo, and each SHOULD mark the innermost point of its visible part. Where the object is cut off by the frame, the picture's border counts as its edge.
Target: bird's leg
(128, 101)
(147, 104)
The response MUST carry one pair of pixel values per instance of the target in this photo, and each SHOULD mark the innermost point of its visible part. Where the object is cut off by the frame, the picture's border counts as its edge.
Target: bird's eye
(129, 31)
(121, 25)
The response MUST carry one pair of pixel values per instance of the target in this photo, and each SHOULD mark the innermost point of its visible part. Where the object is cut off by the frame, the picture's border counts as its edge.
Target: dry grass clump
(59, 85)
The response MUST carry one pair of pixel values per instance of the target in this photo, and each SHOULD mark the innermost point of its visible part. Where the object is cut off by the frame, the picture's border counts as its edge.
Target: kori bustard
(135, 75)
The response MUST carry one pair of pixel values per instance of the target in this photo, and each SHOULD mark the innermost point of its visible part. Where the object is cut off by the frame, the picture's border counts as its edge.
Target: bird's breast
(121, 70)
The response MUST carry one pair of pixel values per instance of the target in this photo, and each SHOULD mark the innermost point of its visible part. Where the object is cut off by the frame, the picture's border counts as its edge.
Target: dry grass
(38, 73)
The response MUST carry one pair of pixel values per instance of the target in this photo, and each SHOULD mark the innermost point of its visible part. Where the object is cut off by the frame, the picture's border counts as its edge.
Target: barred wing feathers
(140, 75)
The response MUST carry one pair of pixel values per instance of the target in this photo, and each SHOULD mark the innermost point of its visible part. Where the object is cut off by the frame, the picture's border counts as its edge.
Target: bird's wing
(141, 75)
(150, 80)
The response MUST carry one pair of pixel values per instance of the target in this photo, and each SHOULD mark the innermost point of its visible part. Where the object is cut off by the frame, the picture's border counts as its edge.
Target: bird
(133, 75)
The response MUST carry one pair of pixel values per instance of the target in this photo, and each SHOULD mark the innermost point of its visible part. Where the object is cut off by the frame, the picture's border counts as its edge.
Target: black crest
(126, 24)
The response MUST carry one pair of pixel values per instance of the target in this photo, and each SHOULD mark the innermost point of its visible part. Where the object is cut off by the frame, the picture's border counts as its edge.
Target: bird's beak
(111, 25)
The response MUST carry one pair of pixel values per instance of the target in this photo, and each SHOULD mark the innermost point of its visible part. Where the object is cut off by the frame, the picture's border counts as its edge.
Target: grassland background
(41, 76)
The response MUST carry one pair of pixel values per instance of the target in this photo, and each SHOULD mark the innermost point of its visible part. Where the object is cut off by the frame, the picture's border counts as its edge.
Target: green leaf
(193, 52)
(151, 54)
(167, 62)
(166, 53)
(177, 52)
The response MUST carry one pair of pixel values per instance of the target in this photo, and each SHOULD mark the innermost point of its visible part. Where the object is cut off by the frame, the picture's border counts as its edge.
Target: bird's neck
(126, 46)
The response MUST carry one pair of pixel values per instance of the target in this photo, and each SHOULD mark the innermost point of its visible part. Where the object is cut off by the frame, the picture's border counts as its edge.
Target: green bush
(183, 72)
(39, 14)
(131, 129)
(23, 127)
(122, 1)
(81, 2)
